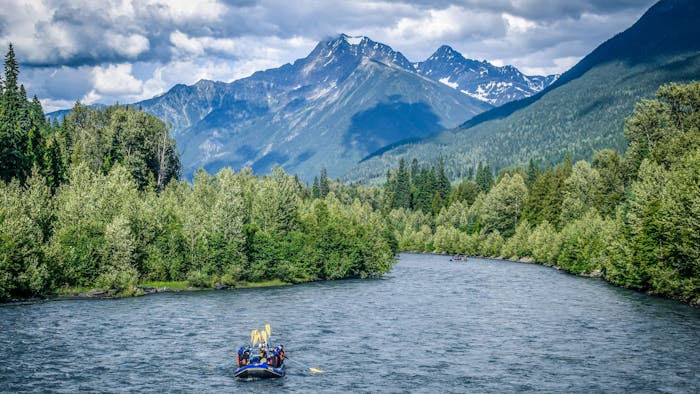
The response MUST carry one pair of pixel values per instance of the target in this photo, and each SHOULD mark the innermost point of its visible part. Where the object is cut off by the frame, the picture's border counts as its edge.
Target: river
(428, 326)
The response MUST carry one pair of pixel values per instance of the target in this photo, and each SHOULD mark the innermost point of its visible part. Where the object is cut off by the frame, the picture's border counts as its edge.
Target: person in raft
(263, 353)
(242, 356)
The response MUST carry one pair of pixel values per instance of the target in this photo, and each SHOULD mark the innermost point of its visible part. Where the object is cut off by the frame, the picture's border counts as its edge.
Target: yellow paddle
(312, 370)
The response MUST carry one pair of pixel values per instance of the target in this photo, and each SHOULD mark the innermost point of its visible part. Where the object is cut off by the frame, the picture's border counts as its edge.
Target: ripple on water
(428, 326)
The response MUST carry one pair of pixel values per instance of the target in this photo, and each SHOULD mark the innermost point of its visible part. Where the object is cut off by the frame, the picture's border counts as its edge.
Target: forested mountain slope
(581, 112)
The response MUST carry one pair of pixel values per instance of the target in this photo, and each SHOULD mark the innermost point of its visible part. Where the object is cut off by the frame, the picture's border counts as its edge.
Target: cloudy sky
(128, 50)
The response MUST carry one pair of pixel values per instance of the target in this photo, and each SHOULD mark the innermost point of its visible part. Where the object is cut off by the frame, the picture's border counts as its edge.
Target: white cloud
(198, 46)
(180, 11)
(116, 79)
(517, 24)
(129, 46)
(444, 24)
(90, 44)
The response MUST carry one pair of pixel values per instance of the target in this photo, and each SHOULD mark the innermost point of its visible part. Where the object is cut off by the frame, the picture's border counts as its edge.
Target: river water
(428, 326)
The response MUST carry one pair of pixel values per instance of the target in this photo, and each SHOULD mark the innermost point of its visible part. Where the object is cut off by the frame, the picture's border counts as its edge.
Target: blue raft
(250, 366)
(259, 370)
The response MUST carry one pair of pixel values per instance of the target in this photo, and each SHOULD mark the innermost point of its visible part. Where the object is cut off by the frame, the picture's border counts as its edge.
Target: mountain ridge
(583, 111)
(259, 120)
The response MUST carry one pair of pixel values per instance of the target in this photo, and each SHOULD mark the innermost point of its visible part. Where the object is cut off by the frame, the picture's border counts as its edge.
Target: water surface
(428, 326)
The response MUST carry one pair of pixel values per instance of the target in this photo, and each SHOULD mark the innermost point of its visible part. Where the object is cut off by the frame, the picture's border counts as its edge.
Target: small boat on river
(259, 360)
(259, 370)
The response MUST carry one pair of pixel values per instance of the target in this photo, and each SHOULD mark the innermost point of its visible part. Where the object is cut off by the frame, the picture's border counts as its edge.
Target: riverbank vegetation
(634, 219)
(95, 202)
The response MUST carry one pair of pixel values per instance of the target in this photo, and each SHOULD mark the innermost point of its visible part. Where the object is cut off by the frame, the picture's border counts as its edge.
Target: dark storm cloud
(86, 49)
(108, 32)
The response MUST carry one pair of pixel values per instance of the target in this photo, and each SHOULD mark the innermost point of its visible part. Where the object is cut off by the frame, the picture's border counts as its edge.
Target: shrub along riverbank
(635, 219)
(96, 202)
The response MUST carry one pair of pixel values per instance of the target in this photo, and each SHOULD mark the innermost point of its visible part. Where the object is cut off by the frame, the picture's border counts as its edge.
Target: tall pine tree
(13, 160)
(323, 186)
(402, 197)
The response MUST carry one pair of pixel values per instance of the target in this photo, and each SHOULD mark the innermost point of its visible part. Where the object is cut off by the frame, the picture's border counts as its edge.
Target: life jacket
(278, 358)
(242, 356)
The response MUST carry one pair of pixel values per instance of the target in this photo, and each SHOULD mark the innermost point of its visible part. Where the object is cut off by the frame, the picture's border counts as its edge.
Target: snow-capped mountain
(481, 79)
(349, 97)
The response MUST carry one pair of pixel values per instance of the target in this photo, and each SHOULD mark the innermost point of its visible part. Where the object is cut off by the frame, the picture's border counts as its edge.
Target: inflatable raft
(259, 370)
(268, 364)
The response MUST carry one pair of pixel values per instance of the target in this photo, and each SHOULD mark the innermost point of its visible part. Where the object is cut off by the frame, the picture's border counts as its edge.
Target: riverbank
(143, 289)
(595, 274)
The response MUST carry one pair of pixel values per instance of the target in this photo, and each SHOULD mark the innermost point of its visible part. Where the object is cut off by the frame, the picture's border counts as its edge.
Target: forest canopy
(95, 201)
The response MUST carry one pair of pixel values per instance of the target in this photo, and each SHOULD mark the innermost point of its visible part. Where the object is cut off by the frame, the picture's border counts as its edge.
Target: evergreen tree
(425, 189)
(484, 177)
(35, 135)
(13, 160)
(315, 189)
(389, 196)
(532, 171)
(465, 192)
(323, 186)
(402, 197)
(414, 169)
(442, 186)
(54, 168)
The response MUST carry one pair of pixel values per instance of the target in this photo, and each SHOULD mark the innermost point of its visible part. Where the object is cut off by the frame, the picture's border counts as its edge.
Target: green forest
(632, 219)
(96, 201)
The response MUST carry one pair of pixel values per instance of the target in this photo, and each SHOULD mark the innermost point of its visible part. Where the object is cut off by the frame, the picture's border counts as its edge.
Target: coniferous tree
(13, 160)
(414, 169)
(315, 189)
(442, 183)
(484, 177)
(532, 171)
(402, 197)
(323, 186)
(389, 196)
(35, 135)
(54, 167)
(425, 186)
(466, 192)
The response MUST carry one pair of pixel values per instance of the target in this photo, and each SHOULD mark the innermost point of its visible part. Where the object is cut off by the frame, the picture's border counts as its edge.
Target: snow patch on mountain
(354, 40)
(446, 81)
(480, 79)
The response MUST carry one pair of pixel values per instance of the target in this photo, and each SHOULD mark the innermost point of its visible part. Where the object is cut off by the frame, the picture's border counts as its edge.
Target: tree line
(633, 219)
(95, 201)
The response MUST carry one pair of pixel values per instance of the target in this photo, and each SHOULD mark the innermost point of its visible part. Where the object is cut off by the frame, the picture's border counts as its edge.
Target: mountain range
(348, 98)
(584, 110)
(481, 79)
